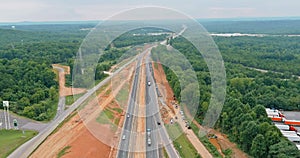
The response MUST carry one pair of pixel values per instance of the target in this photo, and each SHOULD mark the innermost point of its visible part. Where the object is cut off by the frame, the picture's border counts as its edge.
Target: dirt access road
(63, 90)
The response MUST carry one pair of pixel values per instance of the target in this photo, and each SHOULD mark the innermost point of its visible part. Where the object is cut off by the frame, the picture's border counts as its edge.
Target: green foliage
(63, 152)
(211, 148)
(259, 147)
(249, 91)
(11, 139)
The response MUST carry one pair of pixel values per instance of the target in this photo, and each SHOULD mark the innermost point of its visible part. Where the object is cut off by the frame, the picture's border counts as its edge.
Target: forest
(27, 53)
(249, 91)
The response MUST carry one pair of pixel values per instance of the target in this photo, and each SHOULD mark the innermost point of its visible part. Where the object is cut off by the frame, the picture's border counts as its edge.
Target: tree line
(249, 91)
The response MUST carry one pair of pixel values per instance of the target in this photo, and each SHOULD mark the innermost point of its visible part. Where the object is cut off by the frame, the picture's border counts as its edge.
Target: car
(149, 142)
(124, 137)
(149, 83)
(158, 123)
(128, 115)
(148, 131)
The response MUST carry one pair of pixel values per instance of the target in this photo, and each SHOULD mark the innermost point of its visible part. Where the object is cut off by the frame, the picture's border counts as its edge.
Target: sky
(77, 10)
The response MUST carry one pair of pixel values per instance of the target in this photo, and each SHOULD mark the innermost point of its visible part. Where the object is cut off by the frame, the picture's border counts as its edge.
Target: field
(11, 139)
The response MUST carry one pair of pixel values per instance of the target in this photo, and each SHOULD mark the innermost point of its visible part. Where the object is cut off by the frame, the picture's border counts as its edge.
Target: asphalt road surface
(124, 145)
(159, 135)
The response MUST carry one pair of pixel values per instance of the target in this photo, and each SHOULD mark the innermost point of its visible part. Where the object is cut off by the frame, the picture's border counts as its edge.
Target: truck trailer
(292, 122)
(286, 127)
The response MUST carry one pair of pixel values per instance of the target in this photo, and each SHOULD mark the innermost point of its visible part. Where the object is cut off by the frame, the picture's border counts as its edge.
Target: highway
(159, 135)
(27, 148)
(124, 145)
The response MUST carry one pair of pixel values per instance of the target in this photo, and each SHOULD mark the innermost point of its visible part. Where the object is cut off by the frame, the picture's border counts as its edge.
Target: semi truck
(286, 127)
(274, 113)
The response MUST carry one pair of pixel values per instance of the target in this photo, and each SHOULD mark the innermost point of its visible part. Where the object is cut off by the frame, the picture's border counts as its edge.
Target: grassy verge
(72, 98)
(123, 95)
(11, 139)
(181, 142)
(211, 148)
(63, 151)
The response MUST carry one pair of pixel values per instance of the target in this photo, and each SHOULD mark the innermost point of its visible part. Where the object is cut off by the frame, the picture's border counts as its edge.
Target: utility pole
(6, 114)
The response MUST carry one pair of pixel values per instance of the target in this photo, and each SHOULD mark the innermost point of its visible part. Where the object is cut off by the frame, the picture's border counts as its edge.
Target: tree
(259, 148)
(284, 148)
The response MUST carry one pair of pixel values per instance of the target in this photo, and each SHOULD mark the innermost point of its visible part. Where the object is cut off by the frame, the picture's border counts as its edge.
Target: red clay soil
(74, 134)
(224, 143)
(163, 84)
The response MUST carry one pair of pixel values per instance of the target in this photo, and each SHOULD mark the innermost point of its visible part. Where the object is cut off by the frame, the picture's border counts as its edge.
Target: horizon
(198, 19)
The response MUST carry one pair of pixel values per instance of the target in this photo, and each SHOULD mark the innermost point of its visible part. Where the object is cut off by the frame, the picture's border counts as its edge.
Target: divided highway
(158, 135)
(124, 145)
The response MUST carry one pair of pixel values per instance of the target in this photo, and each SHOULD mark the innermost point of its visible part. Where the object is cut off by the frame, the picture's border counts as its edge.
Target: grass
(98, 91)
(105, 117)
(117, 121)
(63, 151)
(72, 98)
(155, 65)
(123, 94)
(174, 130)
(181, 142)
(108, 92)
(118, 110)
(11, 139)
(165, 153)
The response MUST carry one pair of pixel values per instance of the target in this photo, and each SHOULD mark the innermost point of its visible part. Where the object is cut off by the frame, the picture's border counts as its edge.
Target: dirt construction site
(79, 135)
(94, 129)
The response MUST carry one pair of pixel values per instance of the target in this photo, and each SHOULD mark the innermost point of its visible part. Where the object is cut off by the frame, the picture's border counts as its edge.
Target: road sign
(5, 104)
